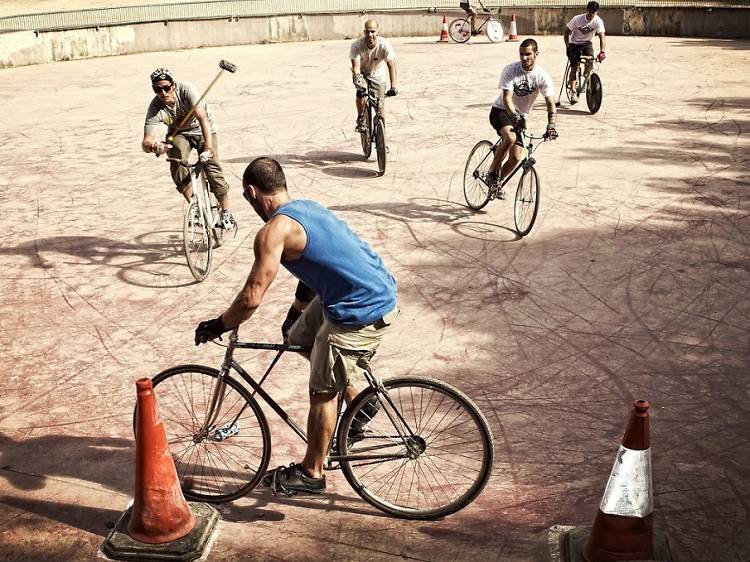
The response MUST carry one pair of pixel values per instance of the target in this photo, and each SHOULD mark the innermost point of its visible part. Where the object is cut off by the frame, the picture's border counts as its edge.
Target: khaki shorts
(340, 354)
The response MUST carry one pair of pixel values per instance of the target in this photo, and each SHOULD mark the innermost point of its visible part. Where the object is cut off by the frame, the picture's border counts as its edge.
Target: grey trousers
(181, 147)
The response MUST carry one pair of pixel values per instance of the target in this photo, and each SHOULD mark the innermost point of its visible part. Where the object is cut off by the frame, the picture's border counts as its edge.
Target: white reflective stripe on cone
(628, 491)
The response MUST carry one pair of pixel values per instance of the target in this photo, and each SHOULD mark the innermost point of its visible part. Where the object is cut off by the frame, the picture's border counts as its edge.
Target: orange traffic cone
(443, 32)
(513, 33)
(160, 512)
(623, 527)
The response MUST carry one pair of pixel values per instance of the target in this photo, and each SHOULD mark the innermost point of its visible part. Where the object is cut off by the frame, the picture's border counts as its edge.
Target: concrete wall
(28, 47)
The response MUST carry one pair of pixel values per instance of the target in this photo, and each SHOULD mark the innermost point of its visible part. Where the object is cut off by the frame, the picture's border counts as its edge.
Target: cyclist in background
(367, 55)
(578, 35)
(472, 13)
(173, 100)
(520, 83)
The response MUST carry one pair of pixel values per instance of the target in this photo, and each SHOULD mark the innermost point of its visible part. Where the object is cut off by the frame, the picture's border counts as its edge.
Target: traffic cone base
(119, 545)
(444, 32)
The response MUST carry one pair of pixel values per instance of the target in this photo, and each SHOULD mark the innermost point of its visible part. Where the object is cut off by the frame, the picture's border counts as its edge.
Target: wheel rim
(494, 31)
(476, 191)
(197, 242)
(225, 462)
(460, 30)
(442, 467)
(526, 201)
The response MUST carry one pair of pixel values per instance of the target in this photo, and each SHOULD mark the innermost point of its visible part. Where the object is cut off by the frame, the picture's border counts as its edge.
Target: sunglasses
(163, 89)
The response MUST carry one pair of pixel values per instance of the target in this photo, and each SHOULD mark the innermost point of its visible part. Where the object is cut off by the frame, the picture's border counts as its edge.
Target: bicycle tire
(459, 30)
(476, 191)
(380, 147)
(365, 135)
(526, 204)
(494, 31)
(455, 445)
(212, 468)
(594, 93)
(197, 242)
(217, 230)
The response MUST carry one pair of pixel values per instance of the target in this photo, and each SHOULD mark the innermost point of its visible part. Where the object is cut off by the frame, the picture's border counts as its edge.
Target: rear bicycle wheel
(526, 204)
(460, 30)
(476, 191)
(228, 459)
(494, 31)
(594, 93)
(380, 147)
(196, 241)
(435, 448)
(365, 135)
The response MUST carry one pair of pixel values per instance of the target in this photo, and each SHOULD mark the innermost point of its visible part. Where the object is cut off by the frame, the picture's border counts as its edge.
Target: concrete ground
(633, 284)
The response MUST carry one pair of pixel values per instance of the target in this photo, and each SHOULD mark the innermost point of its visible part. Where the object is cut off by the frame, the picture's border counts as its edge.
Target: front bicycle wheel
(426, 453)
(380, 147)
(460, 30)
(594, 93)
(221, 462)
(196, 241)
(217, 230)
(495, 31)
(526, 204)
(365, 135)
(476, 190)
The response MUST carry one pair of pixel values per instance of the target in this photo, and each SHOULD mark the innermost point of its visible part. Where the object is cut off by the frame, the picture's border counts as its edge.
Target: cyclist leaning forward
(520, 83)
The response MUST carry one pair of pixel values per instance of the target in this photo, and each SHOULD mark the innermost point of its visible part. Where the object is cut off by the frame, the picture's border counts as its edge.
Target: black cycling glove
(210, 330)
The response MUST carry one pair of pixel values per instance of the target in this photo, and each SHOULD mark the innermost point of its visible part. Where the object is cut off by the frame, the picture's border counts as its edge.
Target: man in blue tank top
(353, 303)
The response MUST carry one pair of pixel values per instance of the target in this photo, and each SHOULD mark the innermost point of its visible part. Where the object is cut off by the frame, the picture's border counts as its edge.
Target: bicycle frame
(373, 102)
(229, 363)
(526, 162)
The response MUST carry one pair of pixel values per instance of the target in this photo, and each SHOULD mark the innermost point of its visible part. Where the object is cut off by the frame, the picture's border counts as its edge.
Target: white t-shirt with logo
(583, 30)
(525, 85)
(371, 60)
(159, 112)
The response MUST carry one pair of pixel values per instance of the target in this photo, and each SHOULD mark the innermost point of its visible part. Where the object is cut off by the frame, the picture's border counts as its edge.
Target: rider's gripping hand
(601, 56)
(359, 81)
(518, 122)
(160, 148)
(206, 155)
(551, 131)
(291, 318)
(209, 330)
(392, 92)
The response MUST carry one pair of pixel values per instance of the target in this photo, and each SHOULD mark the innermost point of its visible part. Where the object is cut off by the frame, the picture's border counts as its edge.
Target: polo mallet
(223, 65)
(562, 83)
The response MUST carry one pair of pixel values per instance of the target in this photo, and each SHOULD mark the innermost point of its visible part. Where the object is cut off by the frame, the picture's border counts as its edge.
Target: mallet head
(228, 66)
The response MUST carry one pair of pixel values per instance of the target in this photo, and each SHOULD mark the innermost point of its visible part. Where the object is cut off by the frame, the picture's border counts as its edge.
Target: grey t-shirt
(158, 112)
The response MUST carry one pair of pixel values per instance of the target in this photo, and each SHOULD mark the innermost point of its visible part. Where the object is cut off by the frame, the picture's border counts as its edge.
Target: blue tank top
(353, 284)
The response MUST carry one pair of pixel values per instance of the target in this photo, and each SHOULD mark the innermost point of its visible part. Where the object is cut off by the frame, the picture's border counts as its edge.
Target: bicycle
(374, 130)
(202, 229)
(478, 193)
(460, 28)
(588, 80)
(426, 453)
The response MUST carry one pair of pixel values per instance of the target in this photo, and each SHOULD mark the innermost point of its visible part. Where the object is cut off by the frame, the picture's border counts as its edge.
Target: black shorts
(467, 7)
(500, 118)
(575, 50)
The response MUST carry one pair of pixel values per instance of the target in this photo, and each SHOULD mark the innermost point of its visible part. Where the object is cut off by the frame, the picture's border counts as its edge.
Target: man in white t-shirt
(368, 53)
(521, 82)
(171, 104)
(579, 33)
